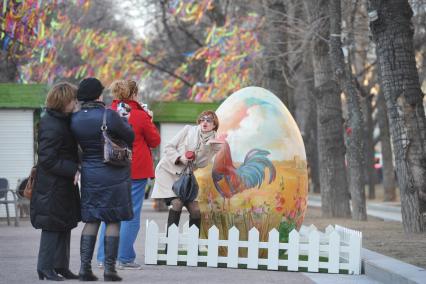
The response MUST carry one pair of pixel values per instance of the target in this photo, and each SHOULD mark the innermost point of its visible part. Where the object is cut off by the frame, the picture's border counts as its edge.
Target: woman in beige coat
(201, 140)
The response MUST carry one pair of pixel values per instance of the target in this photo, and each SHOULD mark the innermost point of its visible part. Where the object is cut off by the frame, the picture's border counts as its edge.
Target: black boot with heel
(111, 251)
(174, 217)
(87, 246)
(49, 274)
(66, 273)
(194, 221)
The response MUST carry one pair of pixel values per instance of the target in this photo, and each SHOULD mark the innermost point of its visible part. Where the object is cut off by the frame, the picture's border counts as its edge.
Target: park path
(19, 247)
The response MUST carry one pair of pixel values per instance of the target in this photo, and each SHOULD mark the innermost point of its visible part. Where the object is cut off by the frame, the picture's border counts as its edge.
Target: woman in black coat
(55, 202)
(105, 189)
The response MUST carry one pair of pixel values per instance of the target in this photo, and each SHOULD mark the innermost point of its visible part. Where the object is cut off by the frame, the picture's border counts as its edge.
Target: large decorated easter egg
(259, 176)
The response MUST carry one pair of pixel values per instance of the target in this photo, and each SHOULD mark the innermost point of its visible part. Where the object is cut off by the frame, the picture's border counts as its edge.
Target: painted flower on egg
(259, 177)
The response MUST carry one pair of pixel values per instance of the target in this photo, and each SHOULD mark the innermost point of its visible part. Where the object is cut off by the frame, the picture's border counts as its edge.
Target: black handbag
(116, 152)
(186, 187)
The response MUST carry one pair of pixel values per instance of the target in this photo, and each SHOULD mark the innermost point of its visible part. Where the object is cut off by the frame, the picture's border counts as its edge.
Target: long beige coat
(166, 172)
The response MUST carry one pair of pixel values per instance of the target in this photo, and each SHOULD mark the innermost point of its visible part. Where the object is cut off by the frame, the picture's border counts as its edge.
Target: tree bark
(369, 146)
(272, 42)
(305, 115)
(388, 171)
(393, 35)
(331, 149)
(8, 69)
(355, 123)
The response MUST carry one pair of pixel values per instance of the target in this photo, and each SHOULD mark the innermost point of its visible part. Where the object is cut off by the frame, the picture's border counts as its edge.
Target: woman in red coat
(146, 137)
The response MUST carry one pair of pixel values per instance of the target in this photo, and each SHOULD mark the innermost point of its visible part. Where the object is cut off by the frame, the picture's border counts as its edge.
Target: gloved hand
(183, 160)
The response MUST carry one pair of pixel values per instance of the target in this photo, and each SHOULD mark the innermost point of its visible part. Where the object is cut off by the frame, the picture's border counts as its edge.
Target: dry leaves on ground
(384, 237)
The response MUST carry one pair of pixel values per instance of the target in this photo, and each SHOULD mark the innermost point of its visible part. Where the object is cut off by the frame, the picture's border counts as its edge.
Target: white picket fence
(339, 246)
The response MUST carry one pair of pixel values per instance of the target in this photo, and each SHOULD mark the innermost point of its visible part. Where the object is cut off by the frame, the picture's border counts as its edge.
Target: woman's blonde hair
(213, 115)
(133, 87)
(61, 95)
(120, 90)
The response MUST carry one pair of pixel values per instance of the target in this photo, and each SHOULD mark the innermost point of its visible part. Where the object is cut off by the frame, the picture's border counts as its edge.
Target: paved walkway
(388, 211)
(19, 248)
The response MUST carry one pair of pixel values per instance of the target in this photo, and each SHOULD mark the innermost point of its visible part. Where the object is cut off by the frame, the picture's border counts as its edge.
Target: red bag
(190, 155)
(28, 191)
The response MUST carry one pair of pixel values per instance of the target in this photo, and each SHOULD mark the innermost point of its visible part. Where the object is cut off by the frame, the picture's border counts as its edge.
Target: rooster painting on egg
(259, 177)
(248, 175)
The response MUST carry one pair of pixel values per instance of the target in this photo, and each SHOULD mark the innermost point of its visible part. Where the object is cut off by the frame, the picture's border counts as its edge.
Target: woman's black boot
(174, 217)
(87, 246)
(66, 273)
(49, 274)
(111, 251)
(194, 221)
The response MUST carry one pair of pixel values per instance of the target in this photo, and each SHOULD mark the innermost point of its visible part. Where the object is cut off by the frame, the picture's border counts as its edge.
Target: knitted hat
(89, 89)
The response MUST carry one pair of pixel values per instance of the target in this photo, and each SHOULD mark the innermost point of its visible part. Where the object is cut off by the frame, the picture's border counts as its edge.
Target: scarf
(196, 138)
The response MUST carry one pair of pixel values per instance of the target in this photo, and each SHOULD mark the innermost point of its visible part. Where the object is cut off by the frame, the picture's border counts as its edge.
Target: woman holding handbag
(105, 188)
(193, 144)
(146, 137)
(55, 201)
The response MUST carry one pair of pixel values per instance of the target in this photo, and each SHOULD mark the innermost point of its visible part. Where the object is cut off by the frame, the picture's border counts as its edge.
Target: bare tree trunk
(369, 146)
(272, 42)
(306, 116)
(354, 141)
(331, 149)
(388, 170)
(292, 60)
(8, 69)
(390, 23)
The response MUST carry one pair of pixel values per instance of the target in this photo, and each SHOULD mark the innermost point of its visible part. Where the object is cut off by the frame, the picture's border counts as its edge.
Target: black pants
(54, 250)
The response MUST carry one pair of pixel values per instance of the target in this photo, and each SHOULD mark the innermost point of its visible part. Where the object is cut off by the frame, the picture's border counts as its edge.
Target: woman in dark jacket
(105, 189)
(146, 137)
(55, 203)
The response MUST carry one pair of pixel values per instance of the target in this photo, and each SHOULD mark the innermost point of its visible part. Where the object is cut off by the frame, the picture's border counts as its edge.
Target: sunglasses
(206, 119)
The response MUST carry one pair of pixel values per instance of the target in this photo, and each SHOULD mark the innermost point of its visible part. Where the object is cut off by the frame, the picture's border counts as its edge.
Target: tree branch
(162, 69)
(187, 33)
(167, 28)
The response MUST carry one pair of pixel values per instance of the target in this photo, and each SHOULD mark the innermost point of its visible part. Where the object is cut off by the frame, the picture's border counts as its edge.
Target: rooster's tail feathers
(252, 171)
(255, 152)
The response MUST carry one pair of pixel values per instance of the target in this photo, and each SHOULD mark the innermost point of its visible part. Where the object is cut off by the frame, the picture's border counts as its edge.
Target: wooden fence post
(213, 247)
(172, 245)
(293, 251)
(334, 252)
(192, 253)
(273, 249)
(233, 239)
(313, 255)
(151, 243)
(355, 240)
(253, 249)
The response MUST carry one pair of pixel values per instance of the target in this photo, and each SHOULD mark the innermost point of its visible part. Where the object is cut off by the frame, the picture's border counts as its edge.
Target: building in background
(22, 105)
